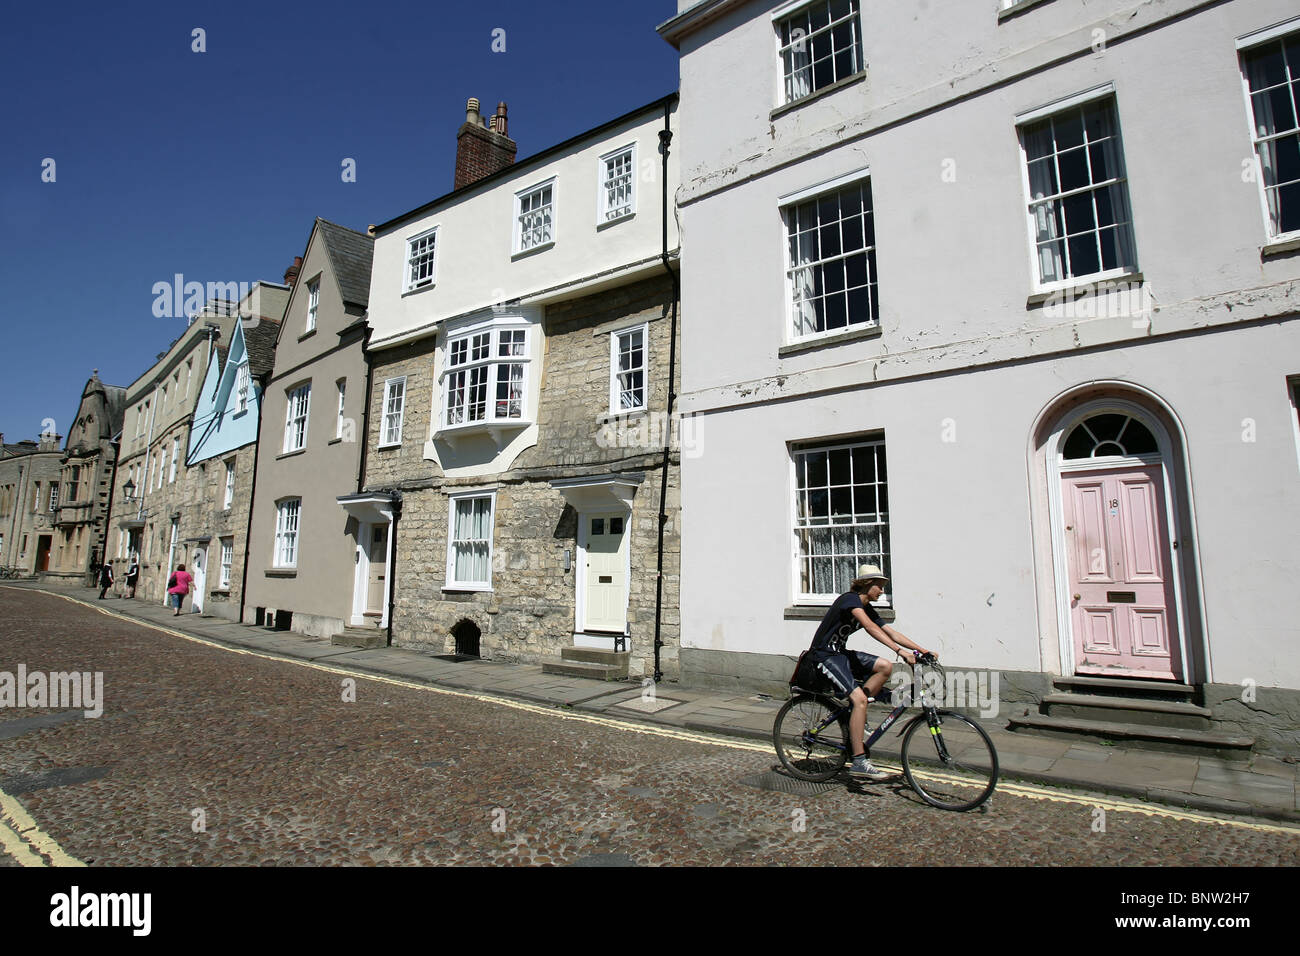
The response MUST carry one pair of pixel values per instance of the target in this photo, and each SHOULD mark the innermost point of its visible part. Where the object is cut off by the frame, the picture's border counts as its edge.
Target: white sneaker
(864, 770)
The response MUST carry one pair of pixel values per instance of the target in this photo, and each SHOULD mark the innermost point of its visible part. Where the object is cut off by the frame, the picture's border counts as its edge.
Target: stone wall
(206, 516)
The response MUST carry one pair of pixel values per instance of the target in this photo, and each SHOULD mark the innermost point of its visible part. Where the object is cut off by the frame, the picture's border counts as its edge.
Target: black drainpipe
(365, 411)
(392, 560)
(666, 137)
(263, 382)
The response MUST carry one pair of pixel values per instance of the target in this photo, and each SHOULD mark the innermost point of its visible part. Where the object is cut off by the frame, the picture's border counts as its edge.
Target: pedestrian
(132, 575)
(105, 579)
(178, 585)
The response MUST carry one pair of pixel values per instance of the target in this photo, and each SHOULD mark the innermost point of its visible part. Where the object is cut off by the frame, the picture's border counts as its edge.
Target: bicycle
(811, 736)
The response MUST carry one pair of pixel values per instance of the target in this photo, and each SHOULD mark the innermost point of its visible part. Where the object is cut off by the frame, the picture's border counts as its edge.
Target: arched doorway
(1120, 527)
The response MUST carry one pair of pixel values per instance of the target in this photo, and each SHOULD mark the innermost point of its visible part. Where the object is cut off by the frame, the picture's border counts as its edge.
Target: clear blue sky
(215, 164)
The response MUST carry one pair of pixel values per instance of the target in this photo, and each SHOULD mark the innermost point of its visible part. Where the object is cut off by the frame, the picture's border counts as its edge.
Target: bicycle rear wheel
(811, 738)
(957, 768)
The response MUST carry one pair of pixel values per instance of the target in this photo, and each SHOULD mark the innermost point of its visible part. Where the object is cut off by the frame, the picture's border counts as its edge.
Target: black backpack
(171, 581)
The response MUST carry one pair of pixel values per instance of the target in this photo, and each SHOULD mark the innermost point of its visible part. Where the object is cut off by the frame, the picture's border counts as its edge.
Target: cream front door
(606, 572)
(378, 557)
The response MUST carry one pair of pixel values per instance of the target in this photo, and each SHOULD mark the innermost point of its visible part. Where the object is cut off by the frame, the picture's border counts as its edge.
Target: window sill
(306, 335)
(541, 247)
(219, 592)
(835, 87)
(241, 413)
(467, 589)
(290, 454)
(815, 612)
(334, 441)
(1019, 8)
(419, 288)
(495, 428)
(1103, 283)
(386, 445)
(1279, 247)
(606, 223)
(628, 415)
(281, 572)
(854, 335)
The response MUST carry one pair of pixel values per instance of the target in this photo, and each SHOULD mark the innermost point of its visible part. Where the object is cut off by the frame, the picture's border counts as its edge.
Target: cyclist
(845, 668)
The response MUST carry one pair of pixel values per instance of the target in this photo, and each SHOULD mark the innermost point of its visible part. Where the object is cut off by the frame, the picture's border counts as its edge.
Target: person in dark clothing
(845, 668)
(132, 576)
(105, 579)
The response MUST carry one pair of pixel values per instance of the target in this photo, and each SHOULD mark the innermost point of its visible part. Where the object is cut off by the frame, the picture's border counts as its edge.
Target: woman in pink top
(181, 583)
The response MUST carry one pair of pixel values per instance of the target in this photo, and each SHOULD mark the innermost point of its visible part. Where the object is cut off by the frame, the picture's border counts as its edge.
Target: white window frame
(1245, 46)
(341, 385)
(790, 10)
(241, 387)
(493, 362)
(227, 560)
(785, 205)
(313, 303)
(797, 451)
(603, 209)
(452, 583)
(292, 420)
(229, 495)
(517, 228)
(615, 388)
(409, 283)
(1084, 98)
(54, 496)
(390, 432)
(288, 525)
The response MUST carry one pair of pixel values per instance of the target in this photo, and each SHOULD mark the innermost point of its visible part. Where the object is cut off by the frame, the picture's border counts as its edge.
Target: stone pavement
(1264, 786)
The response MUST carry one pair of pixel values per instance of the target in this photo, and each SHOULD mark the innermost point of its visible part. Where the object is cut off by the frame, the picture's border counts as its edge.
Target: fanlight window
(1109, 434)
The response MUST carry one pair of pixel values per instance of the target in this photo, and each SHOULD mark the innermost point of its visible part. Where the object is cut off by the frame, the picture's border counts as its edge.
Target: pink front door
(1122, 611)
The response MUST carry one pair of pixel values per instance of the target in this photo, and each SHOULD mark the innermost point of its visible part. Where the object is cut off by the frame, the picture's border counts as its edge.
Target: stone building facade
(521, 348)
(86, 483)
(585, 466)
(29, 473)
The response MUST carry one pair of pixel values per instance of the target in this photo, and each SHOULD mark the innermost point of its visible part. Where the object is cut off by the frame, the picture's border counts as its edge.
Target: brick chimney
(291, 273)
(483, 146)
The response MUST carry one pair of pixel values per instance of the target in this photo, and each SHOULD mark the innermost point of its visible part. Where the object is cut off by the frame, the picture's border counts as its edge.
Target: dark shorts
(844, 671)
(176, 599)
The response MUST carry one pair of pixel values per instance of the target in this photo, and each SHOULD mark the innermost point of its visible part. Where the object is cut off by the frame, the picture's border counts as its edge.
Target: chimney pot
(291, 273)
(482, 145)
(471, 110)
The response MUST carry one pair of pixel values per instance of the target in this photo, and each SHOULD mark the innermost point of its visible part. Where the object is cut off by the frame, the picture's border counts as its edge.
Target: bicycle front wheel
(811, 738)
(949, 760)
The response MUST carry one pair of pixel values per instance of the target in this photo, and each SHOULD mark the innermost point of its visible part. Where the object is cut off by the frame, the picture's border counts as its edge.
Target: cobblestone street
(280, 768)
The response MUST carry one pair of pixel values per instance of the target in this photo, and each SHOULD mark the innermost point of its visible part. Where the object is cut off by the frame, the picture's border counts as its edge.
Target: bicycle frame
(928, 710)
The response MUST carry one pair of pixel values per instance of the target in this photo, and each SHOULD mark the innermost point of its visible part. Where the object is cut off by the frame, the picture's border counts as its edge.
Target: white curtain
(802, 275)
(1113, 157)
(471, 532)
(1265, 125)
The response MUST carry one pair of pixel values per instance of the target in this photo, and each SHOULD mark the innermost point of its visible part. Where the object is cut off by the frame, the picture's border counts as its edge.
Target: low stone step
(1137, 736)
(583, 669)
(1152, 713)
(1110, 687)
(360, 637)
(596, 655)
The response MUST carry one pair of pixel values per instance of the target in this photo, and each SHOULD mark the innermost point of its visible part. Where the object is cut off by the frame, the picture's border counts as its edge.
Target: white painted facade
(970, 376)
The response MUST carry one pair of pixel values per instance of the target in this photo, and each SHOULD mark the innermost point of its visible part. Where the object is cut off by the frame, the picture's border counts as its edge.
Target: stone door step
(1138, 736)
(1132, 689)
(360, 637)
(596, 655)
(1157, 713)
(570, 668)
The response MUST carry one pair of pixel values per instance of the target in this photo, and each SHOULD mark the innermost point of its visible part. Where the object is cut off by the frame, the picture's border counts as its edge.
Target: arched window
(1110, 433)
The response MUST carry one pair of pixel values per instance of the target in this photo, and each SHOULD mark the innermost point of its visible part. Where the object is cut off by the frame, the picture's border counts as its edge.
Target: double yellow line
(27, 843)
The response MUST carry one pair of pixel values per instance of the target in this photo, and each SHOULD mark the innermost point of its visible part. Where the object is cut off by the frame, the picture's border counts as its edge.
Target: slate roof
(259, 340)
(351, 254)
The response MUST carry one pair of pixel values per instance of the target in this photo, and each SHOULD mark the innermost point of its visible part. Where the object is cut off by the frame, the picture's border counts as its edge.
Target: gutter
(666, 137)
(392, 560)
